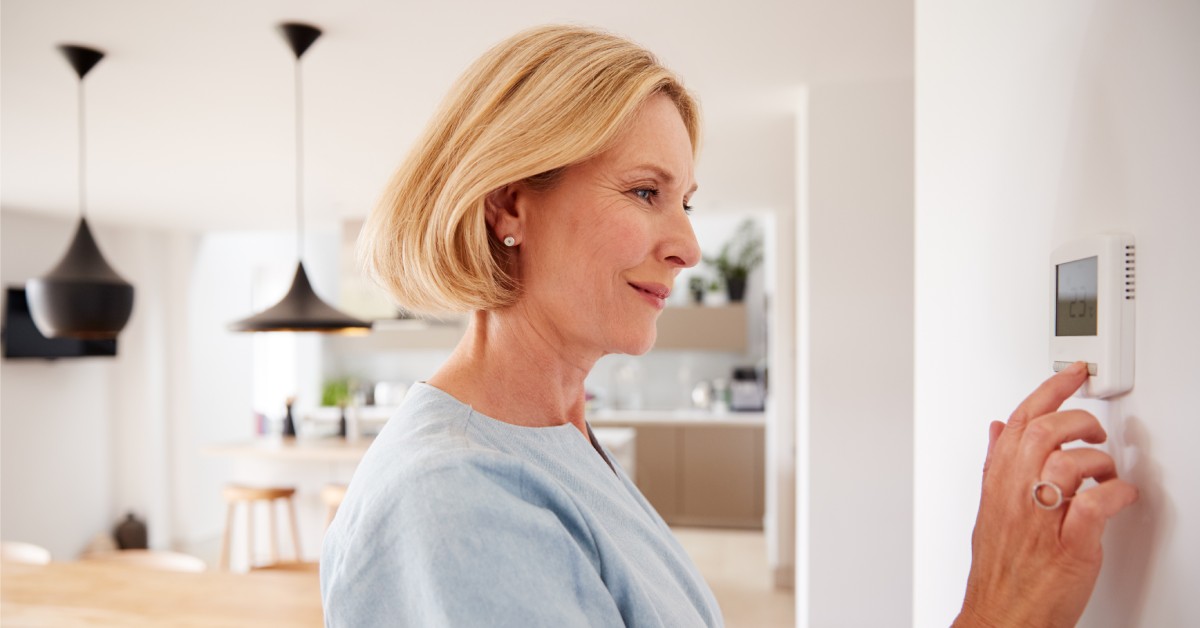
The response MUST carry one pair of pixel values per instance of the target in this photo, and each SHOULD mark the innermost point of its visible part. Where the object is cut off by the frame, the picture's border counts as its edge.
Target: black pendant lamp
(82, 297)
(301, 309)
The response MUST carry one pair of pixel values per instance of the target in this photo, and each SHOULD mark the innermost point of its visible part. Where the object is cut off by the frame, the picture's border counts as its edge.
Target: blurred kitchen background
(908, 166)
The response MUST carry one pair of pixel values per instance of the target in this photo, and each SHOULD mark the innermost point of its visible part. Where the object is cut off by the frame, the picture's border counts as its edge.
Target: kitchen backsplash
(659, 380)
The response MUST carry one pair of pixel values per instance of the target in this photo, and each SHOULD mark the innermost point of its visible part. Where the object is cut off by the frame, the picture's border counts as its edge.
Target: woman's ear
(503, 212)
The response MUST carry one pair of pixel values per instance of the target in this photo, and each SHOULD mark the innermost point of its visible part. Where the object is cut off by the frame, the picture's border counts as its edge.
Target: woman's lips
(655, 293)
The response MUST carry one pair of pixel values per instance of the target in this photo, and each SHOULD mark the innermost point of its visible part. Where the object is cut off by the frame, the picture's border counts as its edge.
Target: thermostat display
(1092, 296)
(1075, 308)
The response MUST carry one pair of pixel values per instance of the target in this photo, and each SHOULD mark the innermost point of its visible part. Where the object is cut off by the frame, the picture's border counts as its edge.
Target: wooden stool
(332, 495)
(235, 494)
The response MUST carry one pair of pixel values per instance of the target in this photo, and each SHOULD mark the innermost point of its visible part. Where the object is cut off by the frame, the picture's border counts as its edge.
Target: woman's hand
(1033, 566)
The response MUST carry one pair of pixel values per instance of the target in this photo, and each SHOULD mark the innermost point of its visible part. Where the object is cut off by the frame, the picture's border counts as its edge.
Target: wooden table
(106, 594)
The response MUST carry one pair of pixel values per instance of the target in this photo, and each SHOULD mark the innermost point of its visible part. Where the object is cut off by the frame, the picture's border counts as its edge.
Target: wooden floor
(734, 562)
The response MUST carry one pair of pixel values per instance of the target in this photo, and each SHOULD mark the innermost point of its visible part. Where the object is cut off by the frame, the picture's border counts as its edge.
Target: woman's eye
(648, 194)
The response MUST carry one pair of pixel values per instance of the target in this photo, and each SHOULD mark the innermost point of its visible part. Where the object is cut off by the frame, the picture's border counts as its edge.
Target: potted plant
(715, 296)
(740, 255)
(337, 393)
(696, 287)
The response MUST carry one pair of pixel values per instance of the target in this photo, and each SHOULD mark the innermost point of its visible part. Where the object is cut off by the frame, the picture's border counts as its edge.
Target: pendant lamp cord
(299, 169)
(82, 156)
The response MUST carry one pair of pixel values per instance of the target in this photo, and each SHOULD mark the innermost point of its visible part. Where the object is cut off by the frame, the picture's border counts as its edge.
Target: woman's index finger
(1049, 396)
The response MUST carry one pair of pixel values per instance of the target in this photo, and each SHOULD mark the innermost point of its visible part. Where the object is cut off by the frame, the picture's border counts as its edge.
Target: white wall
(855, 460)
(1038, 123)
(86, 440)
(75, 430)
(217, 405)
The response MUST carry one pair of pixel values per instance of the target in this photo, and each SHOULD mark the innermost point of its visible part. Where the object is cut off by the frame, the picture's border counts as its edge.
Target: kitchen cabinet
(702, 328)
(703, 475)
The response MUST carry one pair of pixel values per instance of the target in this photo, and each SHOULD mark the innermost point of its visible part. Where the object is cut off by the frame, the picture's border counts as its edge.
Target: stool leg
(295, 529)
(225, 549)
(273, 531)
(249, 535)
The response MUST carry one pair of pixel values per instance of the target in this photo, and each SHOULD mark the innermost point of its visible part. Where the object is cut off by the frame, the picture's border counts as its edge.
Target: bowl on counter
(322, 421)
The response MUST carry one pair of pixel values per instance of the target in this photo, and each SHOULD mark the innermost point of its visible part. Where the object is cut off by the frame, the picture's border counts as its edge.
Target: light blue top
(457, 519)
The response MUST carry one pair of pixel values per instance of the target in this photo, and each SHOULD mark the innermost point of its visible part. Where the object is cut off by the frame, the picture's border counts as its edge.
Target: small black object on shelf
(289, 424)
(131, 534)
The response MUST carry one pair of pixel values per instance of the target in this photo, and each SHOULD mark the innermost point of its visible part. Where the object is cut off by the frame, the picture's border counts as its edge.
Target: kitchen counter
(324, 420)
(636, 418)
(332, 449)
(294, 449)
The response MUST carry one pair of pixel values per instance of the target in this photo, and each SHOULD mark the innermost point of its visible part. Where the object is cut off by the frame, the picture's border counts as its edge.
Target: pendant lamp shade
(82, 296)
(301, 309)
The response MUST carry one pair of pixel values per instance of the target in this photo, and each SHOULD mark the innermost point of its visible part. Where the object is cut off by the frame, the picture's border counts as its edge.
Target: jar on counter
(746, 393)
(720, 403)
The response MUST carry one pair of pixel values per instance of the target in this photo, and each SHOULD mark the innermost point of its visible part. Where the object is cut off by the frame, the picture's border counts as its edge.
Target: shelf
(679, 328)
(701, 328)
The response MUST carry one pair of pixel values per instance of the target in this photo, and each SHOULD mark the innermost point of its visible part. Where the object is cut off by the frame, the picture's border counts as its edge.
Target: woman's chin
(639, 344)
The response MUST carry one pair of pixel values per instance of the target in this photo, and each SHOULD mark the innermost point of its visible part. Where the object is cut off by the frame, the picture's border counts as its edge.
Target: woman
(550, 197)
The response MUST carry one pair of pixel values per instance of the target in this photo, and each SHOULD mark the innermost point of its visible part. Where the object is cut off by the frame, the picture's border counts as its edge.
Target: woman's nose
(681, 248)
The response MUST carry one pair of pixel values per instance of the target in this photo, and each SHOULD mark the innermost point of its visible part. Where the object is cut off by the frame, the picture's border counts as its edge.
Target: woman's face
(600, 250)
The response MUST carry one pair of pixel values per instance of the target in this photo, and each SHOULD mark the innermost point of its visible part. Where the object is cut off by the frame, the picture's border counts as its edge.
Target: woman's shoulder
(428, 443)
(433, 459)
(432, 447)
(436, 509)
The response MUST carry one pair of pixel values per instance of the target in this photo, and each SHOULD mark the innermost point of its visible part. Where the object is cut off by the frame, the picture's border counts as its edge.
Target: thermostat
(1092, 294)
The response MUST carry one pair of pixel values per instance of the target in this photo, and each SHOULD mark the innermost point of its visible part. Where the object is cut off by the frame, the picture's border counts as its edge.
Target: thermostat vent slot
(1130, 272)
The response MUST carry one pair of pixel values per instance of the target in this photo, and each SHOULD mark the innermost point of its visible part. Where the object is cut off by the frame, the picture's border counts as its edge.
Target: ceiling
(190, 113)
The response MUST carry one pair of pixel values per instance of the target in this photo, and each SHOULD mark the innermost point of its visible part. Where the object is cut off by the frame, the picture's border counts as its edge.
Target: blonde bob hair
(543, 100)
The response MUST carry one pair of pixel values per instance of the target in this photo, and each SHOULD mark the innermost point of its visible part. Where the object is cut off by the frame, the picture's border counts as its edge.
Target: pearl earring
(509, 241)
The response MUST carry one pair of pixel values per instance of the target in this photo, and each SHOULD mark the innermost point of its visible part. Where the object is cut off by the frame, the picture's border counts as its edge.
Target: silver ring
(1058, 495)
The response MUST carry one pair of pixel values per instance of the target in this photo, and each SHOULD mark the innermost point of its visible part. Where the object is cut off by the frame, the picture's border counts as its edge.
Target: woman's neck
(507, 368)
